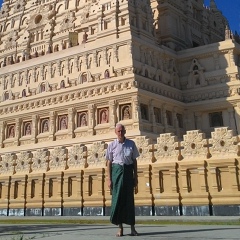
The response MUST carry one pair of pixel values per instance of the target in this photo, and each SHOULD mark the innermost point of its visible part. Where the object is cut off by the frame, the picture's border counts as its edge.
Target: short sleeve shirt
(122, 153)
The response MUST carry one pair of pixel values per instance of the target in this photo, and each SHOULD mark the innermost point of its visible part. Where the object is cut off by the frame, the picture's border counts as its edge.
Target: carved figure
(126, 113)
(12, 132)
(104, 117)
(28, 129)
(45, 126)
(63, 124)
(106, 74)
(83, 121)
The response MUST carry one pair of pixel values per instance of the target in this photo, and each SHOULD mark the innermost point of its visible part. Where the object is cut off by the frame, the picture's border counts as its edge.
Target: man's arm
(109, 172)
(135, 172)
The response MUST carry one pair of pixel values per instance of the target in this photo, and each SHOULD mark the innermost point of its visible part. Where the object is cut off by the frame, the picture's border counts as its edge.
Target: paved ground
(107, 231)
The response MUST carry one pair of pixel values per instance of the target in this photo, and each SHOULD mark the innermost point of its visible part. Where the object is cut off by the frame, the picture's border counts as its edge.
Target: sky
(229, 8)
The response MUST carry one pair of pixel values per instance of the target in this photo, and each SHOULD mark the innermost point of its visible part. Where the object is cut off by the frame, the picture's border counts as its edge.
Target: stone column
(71, 125)
(52, 125)
(232, 124)
(198, 120)
(151, 112)
(2, 132)
(237, 117)
(91, 119)
(165, 123)
(175, 123)
(34, 128)
(112, 114)
(18, 123)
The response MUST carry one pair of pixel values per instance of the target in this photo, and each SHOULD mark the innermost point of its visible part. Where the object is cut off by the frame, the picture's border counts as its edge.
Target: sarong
(122, 208)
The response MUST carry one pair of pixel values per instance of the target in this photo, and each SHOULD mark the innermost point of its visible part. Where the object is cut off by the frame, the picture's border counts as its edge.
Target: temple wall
(196, 176)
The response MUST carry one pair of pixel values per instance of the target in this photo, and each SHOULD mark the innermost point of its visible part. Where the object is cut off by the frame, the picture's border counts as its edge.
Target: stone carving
(12, 38)
(196, 76)
(96, 155)
(194, 145)
(45, 126)
(7, 163)
(63, 122)
(77, 157)
(11, 131)
(166, 147)
(68, 21)
(82, 118)
(144, 147)
(39, 17)
(19, 6)
(23, 162)
(104, 116)
(126, 112)
(27, 129)
(58, 159)
(223, 143)
(40, 160)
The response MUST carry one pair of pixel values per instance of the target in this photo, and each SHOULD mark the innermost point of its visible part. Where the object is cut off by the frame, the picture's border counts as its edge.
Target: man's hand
(109, 183)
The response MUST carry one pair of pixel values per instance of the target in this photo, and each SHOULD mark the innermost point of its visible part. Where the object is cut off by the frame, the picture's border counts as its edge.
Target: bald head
(119, 125)
(120, 132)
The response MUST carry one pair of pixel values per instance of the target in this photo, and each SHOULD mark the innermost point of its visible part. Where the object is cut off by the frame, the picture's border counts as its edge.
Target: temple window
(216, 119)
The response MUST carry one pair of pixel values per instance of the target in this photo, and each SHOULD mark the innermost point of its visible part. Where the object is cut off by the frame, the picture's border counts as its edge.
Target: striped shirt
(122, 153)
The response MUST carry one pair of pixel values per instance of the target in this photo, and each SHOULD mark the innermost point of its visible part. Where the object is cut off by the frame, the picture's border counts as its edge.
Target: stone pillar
(85, 62)
(52, 126)
(34, 128)
(198, 120)
(2, 132)
(112, 114)
(136, 110)
(151, 113)
(175, 123)
(165, 123)
(71, 113)
(115, 53)
(17, 130)
(91, 119)
(237, 117)
(232, 124)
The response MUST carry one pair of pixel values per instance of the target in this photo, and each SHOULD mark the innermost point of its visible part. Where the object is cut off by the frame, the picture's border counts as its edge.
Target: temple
(70, 70)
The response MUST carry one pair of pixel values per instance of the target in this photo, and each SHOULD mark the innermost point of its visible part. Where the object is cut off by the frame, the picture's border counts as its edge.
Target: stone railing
(196, 176)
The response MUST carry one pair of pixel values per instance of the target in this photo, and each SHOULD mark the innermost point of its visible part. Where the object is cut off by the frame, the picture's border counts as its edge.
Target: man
(122, 178)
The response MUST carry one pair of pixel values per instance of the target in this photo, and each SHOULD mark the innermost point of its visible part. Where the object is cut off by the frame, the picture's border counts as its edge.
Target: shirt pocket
(127, 152)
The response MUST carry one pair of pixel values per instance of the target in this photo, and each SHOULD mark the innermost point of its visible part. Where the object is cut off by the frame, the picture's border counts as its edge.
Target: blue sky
(229, 8)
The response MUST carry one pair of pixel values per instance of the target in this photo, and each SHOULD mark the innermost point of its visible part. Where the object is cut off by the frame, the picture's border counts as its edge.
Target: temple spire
(213, 5)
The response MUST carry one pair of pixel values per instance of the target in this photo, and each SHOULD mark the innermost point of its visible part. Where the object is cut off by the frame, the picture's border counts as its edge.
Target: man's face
(120, 132)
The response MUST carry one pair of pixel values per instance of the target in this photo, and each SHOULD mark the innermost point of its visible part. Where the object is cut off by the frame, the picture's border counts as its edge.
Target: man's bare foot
(120, 232)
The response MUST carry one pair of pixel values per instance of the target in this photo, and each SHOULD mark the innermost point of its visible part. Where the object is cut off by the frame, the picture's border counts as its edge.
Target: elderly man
(122, 178)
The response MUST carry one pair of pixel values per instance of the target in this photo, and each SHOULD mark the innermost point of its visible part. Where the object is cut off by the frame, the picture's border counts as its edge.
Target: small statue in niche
(28, 129)
(62, 84)
(126, 113)
(104, 117)
(83, 121)
(24, 93)
(63, 124)
(11, 132)
(45, 126)
(106, 74)
(85, 37)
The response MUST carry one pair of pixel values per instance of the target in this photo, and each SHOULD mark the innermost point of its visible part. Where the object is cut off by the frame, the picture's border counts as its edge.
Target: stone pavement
(107, 231)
